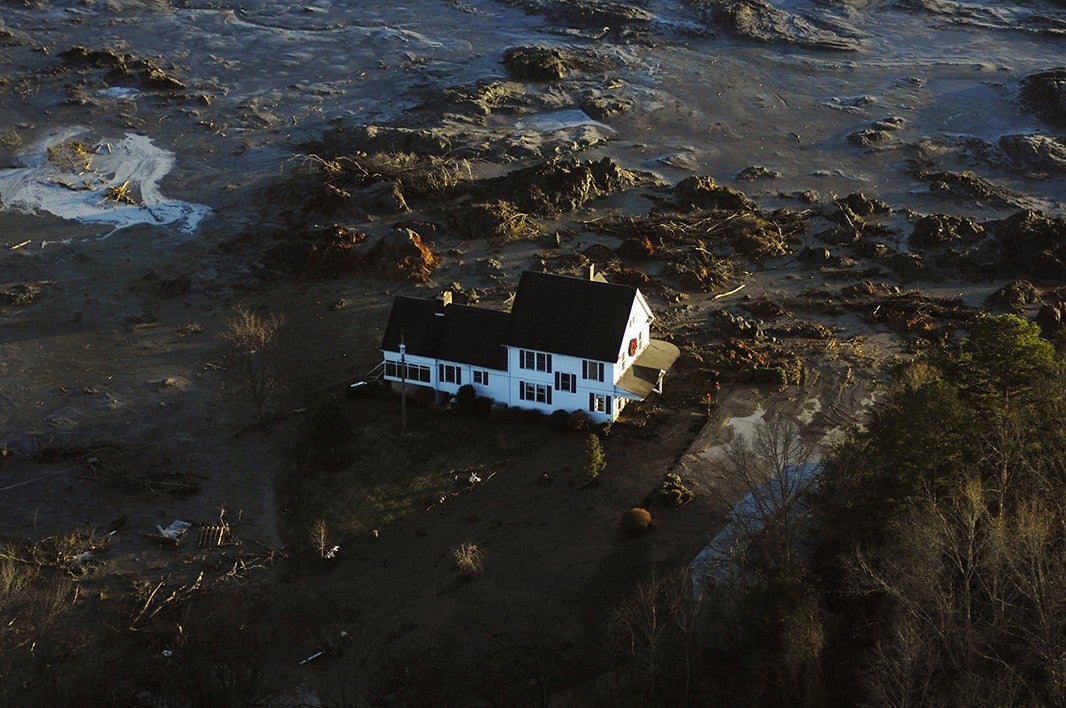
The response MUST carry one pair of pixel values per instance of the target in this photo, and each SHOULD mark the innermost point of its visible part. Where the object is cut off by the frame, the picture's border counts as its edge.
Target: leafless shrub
(468, 559)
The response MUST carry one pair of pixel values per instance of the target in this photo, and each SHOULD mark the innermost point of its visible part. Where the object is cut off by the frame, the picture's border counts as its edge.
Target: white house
(568, 343)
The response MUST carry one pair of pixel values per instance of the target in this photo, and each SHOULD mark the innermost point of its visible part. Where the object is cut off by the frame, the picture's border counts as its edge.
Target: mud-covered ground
(805, 190)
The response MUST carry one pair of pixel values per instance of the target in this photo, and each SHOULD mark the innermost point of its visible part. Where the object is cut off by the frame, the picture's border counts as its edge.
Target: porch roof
(642, 377)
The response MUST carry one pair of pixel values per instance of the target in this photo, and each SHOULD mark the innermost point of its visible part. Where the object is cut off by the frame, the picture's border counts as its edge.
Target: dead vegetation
(120, 193)
(70, 552)
(72, 155)
(498, 221)
(536, 63)
(343, 184)
(21, 294)
(120, 466)
(11, 140)
(468, 559)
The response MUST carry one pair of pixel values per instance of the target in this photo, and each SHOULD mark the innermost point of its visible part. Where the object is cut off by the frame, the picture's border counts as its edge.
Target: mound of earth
(402, 254)
(473, 103)
(761, 21)
(494, 220)
(698, 192)
(123, 65)
(1033, 242)
(380, 138)
(316, 252)
(880, 132)
(559, 186)
(755, 173)
(536, 63)
(939, 229)
(1052, 320)
(1044, 93)
(594, 14)
(1035, 152)
(968, 185)
(1015, 295)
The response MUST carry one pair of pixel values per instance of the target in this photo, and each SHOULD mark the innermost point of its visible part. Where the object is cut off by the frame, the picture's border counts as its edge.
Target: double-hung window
(599, 403)
(481, 377)
(536, 361)
(565, 382)
(538, 393)
(592, 370)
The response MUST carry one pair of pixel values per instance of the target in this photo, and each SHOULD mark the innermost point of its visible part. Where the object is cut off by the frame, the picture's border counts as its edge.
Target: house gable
(572, 316)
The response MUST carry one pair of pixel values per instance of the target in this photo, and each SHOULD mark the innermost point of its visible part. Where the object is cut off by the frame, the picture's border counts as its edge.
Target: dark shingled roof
(575, 316)
(469, 335)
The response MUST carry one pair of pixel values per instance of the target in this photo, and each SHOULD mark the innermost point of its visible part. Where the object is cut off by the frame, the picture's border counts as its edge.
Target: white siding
(503, 386)
(639, 328)
(496, 389)
(561, 400)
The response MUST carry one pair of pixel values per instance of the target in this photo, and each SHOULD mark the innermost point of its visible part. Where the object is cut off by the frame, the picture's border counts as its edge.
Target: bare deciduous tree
(656, 631)
(773, 470)
(253, 349)
(319, 537)
(975, 599)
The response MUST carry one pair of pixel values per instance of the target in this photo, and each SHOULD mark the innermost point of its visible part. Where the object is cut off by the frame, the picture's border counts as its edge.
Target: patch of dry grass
(72, 155)
(468, 558)
(11, 140)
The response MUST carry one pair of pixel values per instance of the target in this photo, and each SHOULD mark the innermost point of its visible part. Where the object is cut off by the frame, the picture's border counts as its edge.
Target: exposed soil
(314, 162)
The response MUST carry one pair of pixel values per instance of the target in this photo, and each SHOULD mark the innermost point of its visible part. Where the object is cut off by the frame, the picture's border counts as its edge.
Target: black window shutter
(608, 406)
(592, 401)
(584, 369)
(549, 396)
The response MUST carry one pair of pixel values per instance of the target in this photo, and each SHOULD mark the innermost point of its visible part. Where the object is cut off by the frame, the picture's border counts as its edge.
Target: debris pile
(535, 63)
(1045, 94)
(402, 254)
(698, 192)
(124, 66)
(560, 186)
(1032, 242)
